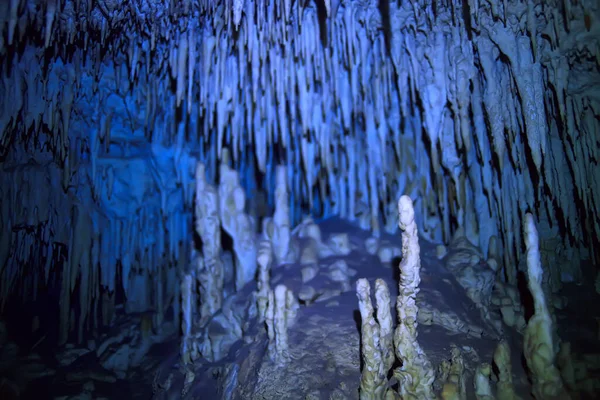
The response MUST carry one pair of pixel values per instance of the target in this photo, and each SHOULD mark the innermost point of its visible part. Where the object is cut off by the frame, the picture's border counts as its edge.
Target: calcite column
(416, 375)
(208, 226)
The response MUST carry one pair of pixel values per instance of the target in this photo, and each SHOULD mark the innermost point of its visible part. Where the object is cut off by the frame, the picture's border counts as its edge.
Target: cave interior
(300, 199)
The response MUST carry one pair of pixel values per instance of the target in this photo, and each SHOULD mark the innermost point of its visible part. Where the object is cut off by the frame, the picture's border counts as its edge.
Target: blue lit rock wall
(87, 175)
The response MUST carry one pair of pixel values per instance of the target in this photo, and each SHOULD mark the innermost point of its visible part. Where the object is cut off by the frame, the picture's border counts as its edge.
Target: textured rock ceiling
(481, 111)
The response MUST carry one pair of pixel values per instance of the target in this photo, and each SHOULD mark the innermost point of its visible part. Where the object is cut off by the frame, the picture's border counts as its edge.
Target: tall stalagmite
(540, 348)
(416, 374)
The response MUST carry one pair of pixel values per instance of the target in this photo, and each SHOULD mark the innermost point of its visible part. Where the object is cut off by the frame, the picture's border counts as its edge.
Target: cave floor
(324, 341)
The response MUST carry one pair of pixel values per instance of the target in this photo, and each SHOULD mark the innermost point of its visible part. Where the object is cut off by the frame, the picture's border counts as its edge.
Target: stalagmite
(373, 382)
(416, 375)
(231, 197)
(264, 261)
(493, 258)
(481, 382)
(539, 347)
(278, 319)
(245, 250)
(292, 306)
(504, 387)
(384, 318)
(565, 362)
(455, 387)
(281, 219)
(209, 267)
(237, 223)
(270, 322)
